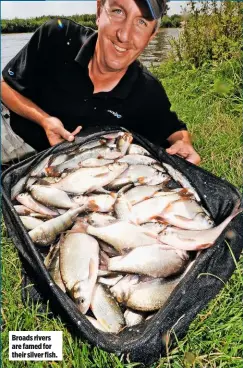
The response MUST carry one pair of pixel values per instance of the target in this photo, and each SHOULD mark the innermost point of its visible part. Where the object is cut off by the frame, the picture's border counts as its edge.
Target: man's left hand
(185, 150)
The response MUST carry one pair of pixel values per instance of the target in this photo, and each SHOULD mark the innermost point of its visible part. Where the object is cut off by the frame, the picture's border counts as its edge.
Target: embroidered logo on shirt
(10, 72)
(118, 116)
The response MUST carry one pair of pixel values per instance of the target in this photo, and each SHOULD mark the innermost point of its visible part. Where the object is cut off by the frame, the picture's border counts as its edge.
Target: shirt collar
(124, 87)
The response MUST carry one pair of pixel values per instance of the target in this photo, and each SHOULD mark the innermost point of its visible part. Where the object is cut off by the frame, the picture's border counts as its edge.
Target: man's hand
(56, 132)
(185, 150)
(181, 145)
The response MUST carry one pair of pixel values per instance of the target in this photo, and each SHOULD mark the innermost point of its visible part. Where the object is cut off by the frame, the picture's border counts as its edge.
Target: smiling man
(69, 75)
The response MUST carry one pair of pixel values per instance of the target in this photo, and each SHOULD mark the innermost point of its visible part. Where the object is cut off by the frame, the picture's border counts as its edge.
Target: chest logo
(118, 116)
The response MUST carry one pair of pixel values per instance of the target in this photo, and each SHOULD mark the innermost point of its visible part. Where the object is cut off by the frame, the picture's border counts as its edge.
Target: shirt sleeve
(24, 71)
(157, 120)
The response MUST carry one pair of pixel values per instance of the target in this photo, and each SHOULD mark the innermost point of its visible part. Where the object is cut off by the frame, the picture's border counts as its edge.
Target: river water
(152, 55)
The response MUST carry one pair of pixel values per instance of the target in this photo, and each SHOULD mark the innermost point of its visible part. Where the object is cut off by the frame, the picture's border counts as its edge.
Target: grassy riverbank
(18, 25)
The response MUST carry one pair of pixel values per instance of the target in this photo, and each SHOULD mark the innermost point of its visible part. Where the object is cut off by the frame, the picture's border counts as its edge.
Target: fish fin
(100, 175)
(159, 218)
(92, 269)
(92, 206)
(51, 171)
(141, 179)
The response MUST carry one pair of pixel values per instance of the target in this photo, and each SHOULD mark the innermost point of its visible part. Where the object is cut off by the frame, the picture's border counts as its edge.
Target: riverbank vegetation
(18, 25)
(203, 80)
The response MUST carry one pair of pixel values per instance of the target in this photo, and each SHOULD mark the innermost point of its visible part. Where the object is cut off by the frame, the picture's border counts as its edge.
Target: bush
(211, 33)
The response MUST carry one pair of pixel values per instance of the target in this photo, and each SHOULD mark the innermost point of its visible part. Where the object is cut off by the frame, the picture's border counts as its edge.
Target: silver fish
(142, 192)
(47, 232)
(154, 227)
(133, 318)
(30, 222)
(135, 149)
(121, 235)
(151, 295)
(110, 280)
(151, 260)
(123, 288)
(28, 201)
(97, 203)
(195, 239)
(96, 324)
(180, 178)
(123, 142)
(186, 213)
(137, 160)
(52, 197)
(19, 187)
(123, 209)
(53, 265)
(100, 220)
(95, 162)
(79, 267)
(106, 309)
(153, 207)
(88, 179)
(134, 173)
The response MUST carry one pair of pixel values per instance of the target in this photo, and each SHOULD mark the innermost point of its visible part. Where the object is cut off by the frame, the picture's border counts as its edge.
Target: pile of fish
(116, 233)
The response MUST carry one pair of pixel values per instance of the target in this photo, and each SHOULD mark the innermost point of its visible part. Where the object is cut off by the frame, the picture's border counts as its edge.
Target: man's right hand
(56, 132)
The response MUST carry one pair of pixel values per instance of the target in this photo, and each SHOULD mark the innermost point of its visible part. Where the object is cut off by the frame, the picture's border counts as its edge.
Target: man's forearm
(22, 105)
(182, 135)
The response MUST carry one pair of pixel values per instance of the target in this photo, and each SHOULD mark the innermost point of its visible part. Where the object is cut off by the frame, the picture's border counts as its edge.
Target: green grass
(214, 339)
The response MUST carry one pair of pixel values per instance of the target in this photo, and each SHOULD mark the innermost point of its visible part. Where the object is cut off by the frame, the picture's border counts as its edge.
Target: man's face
(123, 32)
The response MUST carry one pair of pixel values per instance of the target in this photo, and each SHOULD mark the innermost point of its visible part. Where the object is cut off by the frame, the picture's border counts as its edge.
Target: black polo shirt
(52, 71)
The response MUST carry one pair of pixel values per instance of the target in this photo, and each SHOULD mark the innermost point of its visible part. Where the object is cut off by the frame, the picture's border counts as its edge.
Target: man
(69, 75)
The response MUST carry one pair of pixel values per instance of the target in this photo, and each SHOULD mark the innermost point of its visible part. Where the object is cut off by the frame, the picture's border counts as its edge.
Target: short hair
(158, 21)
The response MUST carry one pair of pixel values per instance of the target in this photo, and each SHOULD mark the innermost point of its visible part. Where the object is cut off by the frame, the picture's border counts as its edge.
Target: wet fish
(137, 160)
(19, 187)
(123, 209)
(152, 208)
(30, 222)
(151, 260)
(52, 197)
(142, 192)
(151, 295)
(47, 232)
(28, 201)
(106, 309)
(89, 179)
(97, 203)
(123, 142)
(95, 162)
(110, 280)
(121, 235)
(154, 227)
(135, 149)
(53, 265)
(133, 318)
(195, 239)
(100, 220)
(186, 213)
(96, 324)
(180, 178)
(123, 288)
(134, 173)
(79, 259)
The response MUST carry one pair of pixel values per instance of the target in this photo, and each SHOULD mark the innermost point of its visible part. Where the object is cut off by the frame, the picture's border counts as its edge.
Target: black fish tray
(143, 342)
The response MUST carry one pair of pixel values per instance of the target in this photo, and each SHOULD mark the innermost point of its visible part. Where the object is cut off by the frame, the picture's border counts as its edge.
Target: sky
(27, 9)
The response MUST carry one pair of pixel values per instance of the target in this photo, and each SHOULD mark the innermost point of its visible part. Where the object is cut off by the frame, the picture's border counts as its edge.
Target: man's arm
(181, 145)
(24, 107)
